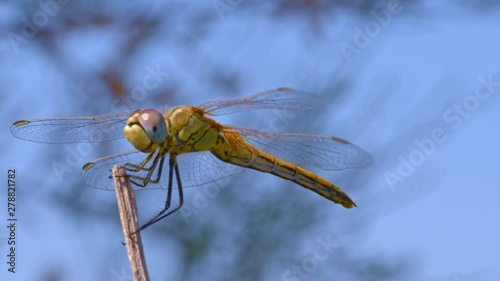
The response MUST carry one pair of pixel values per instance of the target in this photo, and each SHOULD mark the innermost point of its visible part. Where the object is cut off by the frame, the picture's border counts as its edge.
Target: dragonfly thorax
(146, 129)
(191, 130)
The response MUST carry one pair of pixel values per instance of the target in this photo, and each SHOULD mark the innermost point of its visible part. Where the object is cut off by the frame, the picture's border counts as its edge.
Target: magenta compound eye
(153, 123)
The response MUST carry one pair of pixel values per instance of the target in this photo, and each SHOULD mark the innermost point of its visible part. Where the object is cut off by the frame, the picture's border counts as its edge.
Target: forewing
(196, 168)
(72, 129)
(328, 153)
(280, 99)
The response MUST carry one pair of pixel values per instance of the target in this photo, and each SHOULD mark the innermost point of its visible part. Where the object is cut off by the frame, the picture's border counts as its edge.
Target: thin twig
(130, 225)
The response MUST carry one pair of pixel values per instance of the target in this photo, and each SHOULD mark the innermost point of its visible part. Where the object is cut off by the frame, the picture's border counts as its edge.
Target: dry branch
(130, 225)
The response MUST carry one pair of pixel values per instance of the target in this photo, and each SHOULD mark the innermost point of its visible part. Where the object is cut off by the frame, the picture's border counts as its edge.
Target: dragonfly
(200, 150)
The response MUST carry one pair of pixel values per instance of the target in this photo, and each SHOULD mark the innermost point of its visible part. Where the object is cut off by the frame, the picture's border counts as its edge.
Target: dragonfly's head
(145, 129)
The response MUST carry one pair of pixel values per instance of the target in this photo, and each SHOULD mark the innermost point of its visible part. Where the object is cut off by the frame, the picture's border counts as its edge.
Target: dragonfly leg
(147, 179)
(158, 173)
(161, 215)
(143, 181)
(136, 168)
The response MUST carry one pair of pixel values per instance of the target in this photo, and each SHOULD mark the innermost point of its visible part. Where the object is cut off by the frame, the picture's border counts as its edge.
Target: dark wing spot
(340, 140)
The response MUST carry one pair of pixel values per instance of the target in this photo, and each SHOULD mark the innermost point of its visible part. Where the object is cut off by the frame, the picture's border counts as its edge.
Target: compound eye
(153, 123)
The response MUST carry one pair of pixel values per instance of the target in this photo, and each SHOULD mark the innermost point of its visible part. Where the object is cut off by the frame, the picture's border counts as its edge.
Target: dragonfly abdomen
(236, 151)
(268, 163)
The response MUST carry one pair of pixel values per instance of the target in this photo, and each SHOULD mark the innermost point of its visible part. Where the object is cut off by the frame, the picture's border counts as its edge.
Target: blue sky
(407, 82)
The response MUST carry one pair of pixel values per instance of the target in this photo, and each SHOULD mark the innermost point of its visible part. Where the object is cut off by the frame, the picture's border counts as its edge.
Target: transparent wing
(196, 168)
(72, 129)
(327, 153)
(281, 99)
(110, 126)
